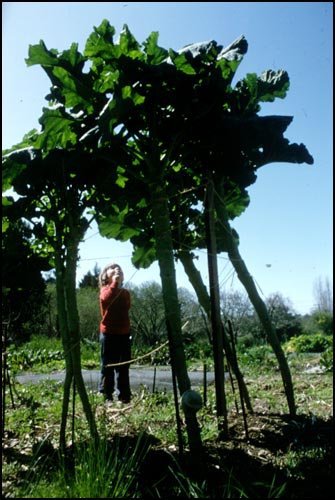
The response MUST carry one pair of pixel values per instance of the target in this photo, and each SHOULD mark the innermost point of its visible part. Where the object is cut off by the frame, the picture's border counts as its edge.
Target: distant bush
(318, 342)
(318, 322)
(247, 341)
(261, 355)
(89, 313)
(324, 321)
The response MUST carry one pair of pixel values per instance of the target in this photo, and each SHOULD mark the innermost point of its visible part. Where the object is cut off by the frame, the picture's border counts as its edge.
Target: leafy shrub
(261, 355)
(324, 321)
(201, 349)
(40, 350)
(317, 342)
(246, 341)
(160, 357)
(90, 353)
(89, 312)
(318, 321)
(326, 360)
(26, 358)
(44, 353)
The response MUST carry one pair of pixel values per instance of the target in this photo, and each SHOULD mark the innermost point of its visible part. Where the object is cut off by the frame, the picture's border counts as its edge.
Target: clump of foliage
(26, 358)
(323, 321)
(318, 321)
(43, 354)
(256, 356)
(318, 342)
(327, 360)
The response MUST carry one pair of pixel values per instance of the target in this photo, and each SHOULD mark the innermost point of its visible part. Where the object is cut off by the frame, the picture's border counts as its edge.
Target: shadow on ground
(282, 457)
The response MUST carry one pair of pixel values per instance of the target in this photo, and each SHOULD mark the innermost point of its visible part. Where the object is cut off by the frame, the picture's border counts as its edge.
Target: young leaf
(143, 256)
(127, 42)
(39, 54)
(272, 84)
(181, 62)
(155, 54)
(230, 57)
(57, 130)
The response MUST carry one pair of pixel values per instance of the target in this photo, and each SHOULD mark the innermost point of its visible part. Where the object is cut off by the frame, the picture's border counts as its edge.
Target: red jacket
(114, 306)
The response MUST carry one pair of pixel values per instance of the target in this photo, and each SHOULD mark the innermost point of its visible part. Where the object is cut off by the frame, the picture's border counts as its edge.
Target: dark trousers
(115, 349)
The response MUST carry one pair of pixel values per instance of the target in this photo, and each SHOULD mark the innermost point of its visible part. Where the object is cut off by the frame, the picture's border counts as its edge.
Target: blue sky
(286, 233)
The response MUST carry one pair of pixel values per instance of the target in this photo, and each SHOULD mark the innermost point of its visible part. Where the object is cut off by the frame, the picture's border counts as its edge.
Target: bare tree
(323, 295)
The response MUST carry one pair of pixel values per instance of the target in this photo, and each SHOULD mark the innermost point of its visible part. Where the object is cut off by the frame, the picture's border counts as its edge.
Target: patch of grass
(283, 456)
(106, 470)
(294, 461)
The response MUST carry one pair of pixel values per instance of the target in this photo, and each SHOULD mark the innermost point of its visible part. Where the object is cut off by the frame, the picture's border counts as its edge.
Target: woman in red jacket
(114, 333)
